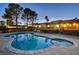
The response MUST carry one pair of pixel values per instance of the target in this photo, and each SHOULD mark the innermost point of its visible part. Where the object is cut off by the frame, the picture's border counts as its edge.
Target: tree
(46, 17)
(75, 18)
(26, 14)
(33, 15)
(29, 15)
(10, 22)
(2, 23)
(13, 12)
(3, 28)
(7, 15)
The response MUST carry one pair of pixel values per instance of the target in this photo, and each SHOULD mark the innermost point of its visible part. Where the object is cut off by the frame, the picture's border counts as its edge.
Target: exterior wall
(15, 26)
(70, 26)
(64, 25)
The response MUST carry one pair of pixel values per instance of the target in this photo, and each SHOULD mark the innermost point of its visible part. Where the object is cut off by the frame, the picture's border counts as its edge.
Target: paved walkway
(3, 49)
(50, 51)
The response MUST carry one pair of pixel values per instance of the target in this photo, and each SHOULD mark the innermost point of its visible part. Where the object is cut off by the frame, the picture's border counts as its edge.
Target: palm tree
(13, 12)
(46, 17)
(26, 14)
(76, 18)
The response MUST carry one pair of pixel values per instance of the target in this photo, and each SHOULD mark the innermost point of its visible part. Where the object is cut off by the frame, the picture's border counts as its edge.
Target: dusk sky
(53, 11)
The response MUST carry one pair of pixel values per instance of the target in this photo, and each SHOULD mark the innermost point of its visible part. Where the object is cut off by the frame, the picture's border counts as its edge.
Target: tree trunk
(16, 22)
(32, 22)
(27, 22)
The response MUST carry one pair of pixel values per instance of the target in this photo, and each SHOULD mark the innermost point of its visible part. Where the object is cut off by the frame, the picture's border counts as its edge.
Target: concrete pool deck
(59, 50)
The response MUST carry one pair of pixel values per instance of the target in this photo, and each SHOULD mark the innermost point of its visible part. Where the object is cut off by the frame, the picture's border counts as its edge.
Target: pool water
(29, 41)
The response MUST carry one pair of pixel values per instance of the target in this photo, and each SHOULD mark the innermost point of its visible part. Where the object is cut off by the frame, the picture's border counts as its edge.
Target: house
(59, 25)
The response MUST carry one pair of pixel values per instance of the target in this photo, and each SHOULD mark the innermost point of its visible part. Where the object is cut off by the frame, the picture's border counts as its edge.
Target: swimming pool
(30, 41)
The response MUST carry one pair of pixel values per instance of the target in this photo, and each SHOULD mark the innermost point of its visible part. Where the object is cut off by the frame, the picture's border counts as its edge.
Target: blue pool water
(29, 41)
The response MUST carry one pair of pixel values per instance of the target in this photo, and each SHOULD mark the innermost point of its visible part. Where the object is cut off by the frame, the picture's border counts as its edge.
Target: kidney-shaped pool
(29, 41)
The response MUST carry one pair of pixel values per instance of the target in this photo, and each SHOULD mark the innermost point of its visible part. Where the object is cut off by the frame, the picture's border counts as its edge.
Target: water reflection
(46, 40)
(29, 41)
(25, 43)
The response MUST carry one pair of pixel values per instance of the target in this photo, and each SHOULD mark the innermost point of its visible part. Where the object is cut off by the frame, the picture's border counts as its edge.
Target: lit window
(48, 25)
(67, 24)
(57, 25)
(70, 25)
(64, 25)
(36, 25)
(39, 26)
(74, 24)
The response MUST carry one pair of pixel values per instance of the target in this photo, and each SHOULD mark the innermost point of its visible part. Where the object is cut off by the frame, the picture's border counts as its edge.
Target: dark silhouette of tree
(13, 12)
(29, 15)
(3, 28)
(75, 18)
(7, 15)
(2, 23)
(33, 15)
(47, 19)
(10, 22)
(26, 14)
